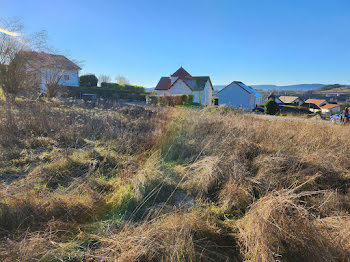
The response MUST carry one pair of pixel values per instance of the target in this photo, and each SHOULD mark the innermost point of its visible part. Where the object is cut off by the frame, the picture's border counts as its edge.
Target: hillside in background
(299, 87)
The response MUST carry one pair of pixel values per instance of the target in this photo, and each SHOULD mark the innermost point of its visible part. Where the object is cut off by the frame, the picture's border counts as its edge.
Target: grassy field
(170, 184)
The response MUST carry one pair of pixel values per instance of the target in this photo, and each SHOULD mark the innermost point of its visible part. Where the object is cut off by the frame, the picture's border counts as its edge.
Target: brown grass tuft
(175, 237)
(279, 227)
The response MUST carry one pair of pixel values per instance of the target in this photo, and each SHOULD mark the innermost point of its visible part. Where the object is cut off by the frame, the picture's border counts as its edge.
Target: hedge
(169, 100)
(123, 88)
(106, 93)
(88, 80)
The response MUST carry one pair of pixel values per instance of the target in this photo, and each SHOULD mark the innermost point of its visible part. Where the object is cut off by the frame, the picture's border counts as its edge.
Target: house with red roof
(318, 102)
(321, 105)
(330, 109)
(182, 83)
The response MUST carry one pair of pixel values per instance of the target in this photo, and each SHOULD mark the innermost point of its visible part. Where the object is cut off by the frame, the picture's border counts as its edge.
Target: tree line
(121, 84)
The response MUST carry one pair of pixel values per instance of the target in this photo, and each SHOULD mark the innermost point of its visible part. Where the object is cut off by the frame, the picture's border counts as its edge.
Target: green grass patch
(2, 96)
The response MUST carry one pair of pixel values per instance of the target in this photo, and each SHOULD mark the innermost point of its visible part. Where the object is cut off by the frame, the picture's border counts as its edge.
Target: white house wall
(258, 100)
(162, 92)
(237, 97)
(196, 96)
(173, 79)
(299, 102)
(251, 101)
(180, 88)
(334, 110)
(207, 94)
(73, 77)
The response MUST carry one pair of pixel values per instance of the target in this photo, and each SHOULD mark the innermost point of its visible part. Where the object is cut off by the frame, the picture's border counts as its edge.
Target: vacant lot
(170, 184)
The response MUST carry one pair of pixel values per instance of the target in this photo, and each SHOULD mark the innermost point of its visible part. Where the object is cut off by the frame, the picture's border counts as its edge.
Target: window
(66, 77)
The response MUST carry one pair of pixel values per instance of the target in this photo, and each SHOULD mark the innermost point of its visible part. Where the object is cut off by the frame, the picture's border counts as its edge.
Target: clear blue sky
(254, 41)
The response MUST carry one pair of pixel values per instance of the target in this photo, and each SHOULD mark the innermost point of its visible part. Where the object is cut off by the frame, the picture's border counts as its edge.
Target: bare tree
(104, 78)
(14, 74)
(121, 80)
(53, 78)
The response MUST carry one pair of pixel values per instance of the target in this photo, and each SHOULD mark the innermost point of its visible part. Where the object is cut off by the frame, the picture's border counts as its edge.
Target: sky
(254, 41)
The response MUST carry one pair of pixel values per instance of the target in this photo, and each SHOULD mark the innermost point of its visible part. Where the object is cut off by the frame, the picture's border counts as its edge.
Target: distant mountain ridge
(300, 87)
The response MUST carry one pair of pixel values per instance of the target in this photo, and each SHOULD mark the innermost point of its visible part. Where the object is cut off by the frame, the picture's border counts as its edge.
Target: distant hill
(300, 87)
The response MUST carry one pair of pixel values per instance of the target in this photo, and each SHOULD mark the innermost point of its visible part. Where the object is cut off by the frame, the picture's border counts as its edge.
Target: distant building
(239, 96)
(312, 107)
(292, 100)
(330, 109)
(53, 68)
(273, 97)
(182, 83)
(318, 102)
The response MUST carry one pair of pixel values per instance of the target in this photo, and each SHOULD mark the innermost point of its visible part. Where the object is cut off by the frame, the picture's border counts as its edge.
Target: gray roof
(197, 83)
(246, 88)
(45, 60)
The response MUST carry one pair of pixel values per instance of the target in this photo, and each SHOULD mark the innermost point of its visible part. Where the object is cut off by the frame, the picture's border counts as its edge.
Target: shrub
(88, 80)
(271, 107)
(215, 101)
(187, 99)
(169, 100)
(152, 100)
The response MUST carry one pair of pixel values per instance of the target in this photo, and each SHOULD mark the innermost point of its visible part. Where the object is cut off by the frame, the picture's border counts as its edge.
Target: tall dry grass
(278, 227)
(56, 160)
(161, 184)
(177, 236)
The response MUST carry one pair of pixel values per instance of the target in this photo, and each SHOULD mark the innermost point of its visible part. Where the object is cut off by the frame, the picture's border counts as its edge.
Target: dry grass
(24, 208)
(279, 227)
(175, 237)
(160, 184)
(51, 169)
(201, 176)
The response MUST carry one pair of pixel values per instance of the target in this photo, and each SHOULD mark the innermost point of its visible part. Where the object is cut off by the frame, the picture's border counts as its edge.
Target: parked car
(338, 118)
(259, 109)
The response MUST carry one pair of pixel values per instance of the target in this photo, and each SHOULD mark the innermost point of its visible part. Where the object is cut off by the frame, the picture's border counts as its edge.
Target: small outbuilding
(239, 96)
